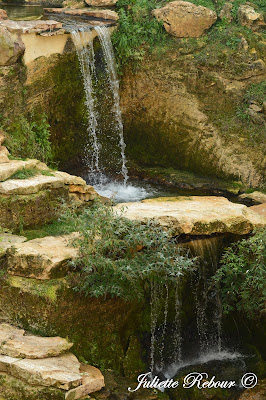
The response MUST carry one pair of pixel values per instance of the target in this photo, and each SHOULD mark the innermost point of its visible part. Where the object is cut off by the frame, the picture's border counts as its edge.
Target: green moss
(12, 388)
(133, 364)
(19, 211)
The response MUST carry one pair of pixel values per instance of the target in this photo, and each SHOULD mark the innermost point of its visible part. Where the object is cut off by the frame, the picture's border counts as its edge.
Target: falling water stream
(83, 41)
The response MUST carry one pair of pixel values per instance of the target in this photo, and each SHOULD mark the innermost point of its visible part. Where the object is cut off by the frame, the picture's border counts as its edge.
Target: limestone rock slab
(8, 240)
(92, 381)
(259, 209)
(195, 215)
(61, 372)
(184, 19)
(34, 347)
(101, 3)
(248, 17)
(41, 258)
(35, 26)
(108, 15)
(256, 197)
(8, 332)
(30, 185)
(7, 170)
(4, 155)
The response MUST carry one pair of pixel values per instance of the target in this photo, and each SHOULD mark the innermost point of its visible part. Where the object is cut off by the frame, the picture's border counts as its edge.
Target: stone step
(30, 185)
(14, 343)
(9, 169)
(42, 258)
(195, 215)
(62, 371)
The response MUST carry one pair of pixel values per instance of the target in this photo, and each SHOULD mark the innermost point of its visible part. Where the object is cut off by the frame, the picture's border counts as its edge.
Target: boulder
(3, 15)
(195, 215)
(226, 12)
(2, 137)
(35, 26)
(248, 17)
(184, 19)
(12, 47)
(101, 3)
(42, 258)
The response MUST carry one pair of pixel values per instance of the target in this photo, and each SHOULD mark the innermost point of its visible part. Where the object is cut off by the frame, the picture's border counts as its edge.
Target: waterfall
(109, 56)
(82, 39)
(208, 303)
(84, 48)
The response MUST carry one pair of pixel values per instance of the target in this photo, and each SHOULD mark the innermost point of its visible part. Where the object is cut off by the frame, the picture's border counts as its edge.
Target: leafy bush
(120, 257)
(242, 276)
(29, 138)
(138, 30)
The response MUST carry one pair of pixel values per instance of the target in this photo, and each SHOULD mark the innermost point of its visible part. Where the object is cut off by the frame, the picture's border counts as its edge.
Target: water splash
(177, 354)
(109, 56)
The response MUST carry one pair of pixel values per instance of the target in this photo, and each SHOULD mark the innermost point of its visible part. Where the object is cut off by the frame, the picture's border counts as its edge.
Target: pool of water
(22, 12)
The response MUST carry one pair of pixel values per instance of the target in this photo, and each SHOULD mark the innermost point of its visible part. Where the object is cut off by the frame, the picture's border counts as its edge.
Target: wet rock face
(184, 19)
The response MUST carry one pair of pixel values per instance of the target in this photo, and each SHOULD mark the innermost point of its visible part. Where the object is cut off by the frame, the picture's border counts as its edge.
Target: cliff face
(179, 115)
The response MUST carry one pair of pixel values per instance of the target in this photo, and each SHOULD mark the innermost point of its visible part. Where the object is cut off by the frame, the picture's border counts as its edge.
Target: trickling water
(154, 318)
(208, 303)
(84, 48)
(177, 355)
(82, 38)
(109, 56)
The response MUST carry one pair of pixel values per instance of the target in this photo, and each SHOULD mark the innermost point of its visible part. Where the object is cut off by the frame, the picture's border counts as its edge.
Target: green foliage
(138, 30)
(29, 138)
(24, 173)
(242, 276)
(120, 257)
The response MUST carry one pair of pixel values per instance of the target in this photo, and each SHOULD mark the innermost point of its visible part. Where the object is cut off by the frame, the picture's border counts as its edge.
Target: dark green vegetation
(121, 257)
(242, 276)
(29, 137)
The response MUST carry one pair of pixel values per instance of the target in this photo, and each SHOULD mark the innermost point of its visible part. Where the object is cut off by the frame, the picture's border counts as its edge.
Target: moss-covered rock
(12, 388)
(20, 211)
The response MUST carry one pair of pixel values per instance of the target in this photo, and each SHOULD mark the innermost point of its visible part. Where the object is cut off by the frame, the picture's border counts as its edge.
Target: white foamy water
(122, 193)
(204, 358)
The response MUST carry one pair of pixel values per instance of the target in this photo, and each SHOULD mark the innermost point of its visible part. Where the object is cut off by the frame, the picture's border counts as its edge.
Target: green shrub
(242, 276)
(29, 138)
(120, 257)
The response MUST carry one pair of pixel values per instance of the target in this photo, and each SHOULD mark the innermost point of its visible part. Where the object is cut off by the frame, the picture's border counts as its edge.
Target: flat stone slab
(43, 258)
(92, 381)
(7, 240)
(107, 15)
(36, 26)
(259, 209)
(61, 371)
(195, 215)
(14, 343)
(30, 185)
(256, 197)
(9, 169)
